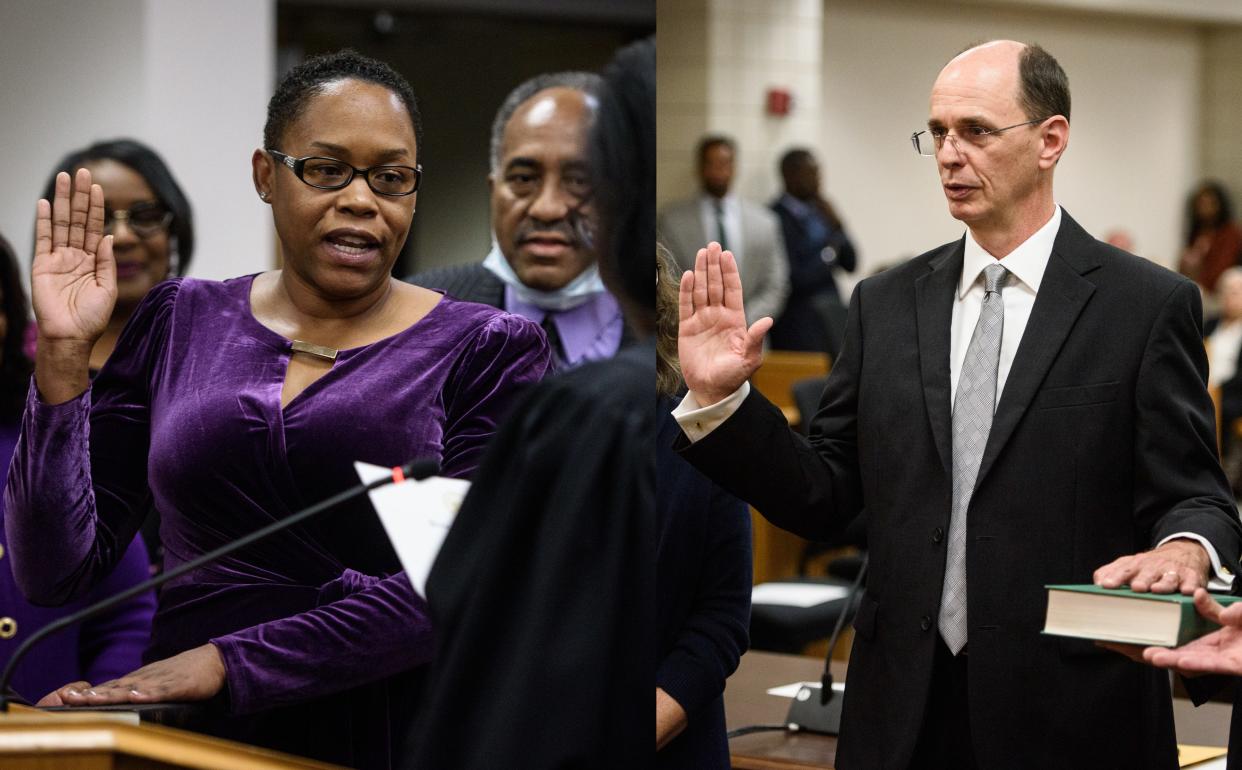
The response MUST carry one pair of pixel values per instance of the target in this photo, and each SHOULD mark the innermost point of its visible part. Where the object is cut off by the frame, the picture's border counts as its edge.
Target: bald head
(1042, 87)
(989, 70)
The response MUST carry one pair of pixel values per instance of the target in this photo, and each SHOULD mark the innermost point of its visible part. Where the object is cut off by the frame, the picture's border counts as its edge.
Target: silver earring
(263, 196)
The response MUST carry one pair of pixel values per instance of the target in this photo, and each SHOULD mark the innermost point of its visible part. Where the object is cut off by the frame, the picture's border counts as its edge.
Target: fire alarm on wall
(780, 101)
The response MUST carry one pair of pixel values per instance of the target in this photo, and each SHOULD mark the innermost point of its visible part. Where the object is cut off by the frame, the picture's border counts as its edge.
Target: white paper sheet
(796, 594)
(790, 690)
(416, 515)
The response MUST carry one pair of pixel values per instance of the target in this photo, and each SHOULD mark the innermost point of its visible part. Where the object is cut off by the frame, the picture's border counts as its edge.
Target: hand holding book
(1219, 652)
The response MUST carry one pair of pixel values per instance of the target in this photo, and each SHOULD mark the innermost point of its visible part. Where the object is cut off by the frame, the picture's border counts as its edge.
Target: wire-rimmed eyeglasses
(332, 174)
(144, 219)
(927, 142)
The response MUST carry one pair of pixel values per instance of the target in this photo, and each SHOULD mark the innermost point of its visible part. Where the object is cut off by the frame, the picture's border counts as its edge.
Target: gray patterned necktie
(972, 420)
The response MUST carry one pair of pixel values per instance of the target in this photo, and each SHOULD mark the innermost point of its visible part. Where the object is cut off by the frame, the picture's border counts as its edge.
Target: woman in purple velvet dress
(104, 647)
(234, 404)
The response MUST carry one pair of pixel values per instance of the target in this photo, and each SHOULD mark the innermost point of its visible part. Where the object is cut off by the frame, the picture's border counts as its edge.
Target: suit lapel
(1063, 294)
(694, 221)
(933, 295)
(743, 264)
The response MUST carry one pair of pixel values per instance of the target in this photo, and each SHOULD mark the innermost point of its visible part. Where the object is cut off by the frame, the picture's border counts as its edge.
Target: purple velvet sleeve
(508, 355)
(379, 626)
(111, 645)
(77, 489)
(378, 629)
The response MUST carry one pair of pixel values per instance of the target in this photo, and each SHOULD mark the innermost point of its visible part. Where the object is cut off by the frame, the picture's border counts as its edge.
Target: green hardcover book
(1122, 615)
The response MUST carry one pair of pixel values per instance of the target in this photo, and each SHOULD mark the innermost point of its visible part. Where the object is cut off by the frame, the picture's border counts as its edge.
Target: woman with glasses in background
(152, 226)
(234, 404)
(148, 216)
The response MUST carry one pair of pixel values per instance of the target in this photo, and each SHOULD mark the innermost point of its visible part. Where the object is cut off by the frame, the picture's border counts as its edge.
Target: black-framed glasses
(144, 219)
(332, 174)
(928, 142)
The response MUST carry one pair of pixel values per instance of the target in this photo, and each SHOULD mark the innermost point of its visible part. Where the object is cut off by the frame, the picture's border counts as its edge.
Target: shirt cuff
(698, 421)
(1222, 578)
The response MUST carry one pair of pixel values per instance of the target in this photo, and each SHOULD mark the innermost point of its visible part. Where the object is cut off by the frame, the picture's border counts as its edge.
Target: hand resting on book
(1178, 565)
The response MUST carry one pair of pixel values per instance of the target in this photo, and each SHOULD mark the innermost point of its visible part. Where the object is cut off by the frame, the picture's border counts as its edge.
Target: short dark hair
(587, 82)
(147, 163)
(15, 368)
(1043, 87)
(308, 79)
(712, 140)
(794, 158)
(623, 154)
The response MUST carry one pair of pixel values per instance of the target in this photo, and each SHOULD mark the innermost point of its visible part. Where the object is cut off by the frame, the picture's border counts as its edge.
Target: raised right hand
(718, 353)
(73, 281)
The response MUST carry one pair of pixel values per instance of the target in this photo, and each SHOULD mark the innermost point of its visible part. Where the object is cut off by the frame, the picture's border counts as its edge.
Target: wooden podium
(36, 740)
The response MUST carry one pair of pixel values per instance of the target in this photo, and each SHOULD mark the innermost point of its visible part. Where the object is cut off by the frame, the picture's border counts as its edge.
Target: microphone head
(420, 469)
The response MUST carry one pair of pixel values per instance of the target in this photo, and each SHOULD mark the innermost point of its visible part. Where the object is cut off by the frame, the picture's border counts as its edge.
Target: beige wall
(1155, 107)
(717, 59)
(190, 78)
(1222, 107)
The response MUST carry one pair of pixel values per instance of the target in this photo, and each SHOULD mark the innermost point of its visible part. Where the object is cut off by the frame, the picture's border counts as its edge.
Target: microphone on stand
(415, 469)
(818, 709)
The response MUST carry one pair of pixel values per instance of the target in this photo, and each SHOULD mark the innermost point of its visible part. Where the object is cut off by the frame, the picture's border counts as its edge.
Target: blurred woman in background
(1213, 239)
(149, 217)
(703, 574)
(152, 227)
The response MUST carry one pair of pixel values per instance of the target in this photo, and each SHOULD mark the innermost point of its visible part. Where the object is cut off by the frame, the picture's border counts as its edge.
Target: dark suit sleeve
(810, 487)
(847, 257)
(1179, 484)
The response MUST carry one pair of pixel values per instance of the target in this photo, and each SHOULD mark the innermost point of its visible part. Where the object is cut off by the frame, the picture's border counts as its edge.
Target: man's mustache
(562, 227)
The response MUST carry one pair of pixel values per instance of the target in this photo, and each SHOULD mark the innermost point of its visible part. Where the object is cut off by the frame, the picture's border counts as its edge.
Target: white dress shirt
(1027, 264)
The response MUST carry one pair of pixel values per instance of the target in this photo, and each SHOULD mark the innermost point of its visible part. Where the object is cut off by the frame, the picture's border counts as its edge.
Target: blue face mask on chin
(578, 291)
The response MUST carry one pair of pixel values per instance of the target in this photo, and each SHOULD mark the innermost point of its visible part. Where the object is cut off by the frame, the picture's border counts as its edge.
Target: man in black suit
(542, 263)
(1013, 409)
(818, 246)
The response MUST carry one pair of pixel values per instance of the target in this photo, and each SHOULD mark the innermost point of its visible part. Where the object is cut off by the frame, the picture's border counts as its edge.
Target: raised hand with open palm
(73, 284)
(718, 352)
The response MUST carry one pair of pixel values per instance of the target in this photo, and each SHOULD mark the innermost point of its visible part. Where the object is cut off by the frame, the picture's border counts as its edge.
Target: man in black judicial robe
(543, 595)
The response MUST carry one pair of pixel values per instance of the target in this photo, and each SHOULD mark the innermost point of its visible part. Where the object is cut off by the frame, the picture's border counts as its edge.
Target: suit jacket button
(937, 535)
(926, 623)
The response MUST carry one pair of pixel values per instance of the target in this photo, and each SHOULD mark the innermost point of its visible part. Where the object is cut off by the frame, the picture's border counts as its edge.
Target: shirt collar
(726, 203)
(1027, 262)
(583, 328)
